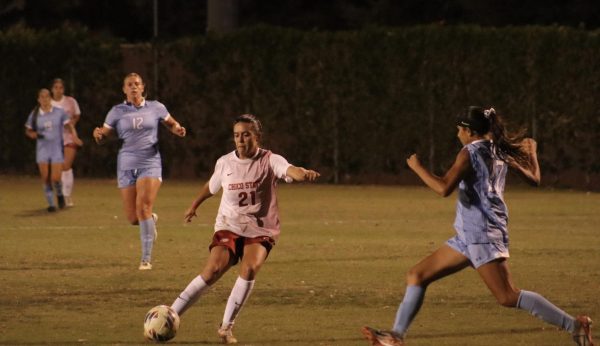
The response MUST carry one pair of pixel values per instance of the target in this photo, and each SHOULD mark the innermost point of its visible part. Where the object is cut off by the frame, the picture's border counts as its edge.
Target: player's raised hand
(529, 145)
(413, 161)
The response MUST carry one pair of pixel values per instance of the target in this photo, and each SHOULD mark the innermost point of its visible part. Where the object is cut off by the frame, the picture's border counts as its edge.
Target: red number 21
(244, 196)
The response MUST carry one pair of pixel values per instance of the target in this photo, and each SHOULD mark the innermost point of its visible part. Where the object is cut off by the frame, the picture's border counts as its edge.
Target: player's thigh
(497, 277)
(128, 196)
(147, 190)
(219, 261)
(69, 152)
(44, 169)
(254, 257)
(442, 262)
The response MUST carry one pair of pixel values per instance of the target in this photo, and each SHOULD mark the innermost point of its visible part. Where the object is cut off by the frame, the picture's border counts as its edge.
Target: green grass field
(72, 278)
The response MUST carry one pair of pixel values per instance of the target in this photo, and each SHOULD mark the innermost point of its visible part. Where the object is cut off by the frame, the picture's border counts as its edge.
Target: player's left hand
(78, 141)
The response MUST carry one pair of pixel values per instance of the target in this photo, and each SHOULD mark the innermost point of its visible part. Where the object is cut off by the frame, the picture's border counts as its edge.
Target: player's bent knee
(508, 301)
(414, 278)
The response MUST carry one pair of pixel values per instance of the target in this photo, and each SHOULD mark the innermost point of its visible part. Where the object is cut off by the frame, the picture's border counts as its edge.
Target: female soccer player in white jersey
(139, 166)
(71, 107)
(247, 224)
(45, 124)
(481, 239)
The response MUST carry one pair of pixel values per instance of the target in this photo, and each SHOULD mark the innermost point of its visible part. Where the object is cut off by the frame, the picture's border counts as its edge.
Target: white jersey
(249, 202)
(71, 107)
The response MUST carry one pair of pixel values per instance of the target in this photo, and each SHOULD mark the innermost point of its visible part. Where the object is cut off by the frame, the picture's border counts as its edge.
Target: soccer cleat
(382, 338)
(155, 218)
(583, 331)
(61, 201)
(226, 335)
(51, 209)
(145, 266)
(68, 201)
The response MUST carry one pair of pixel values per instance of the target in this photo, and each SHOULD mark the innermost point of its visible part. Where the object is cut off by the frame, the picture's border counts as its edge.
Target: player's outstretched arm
(530, 170)
(174, 126)
(302, 174)
(204, 194)
(443, 186)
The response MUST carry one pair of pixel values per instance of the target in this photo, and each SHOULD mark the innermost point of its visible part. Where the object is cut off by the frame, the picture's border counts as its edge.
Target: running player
(481, 225)
(71, 107)
(247, 224)
(45, 125)
(139, 167)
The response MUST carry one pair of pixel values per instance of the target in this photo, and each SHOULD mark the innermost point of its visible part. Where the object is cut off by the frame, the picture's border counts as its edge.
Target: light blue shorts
(49, 155)
(128, 177)
(479, 254)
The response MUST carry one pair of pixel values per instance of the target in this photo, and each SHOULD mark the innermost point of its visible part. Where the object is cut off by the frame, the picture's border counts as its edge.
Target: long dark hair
(488, 121)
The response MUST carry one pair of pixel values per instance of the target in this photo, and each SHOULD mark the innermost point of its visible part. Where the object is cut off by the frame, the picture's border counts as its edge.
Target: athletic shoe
(145, 266)
(583, 331)
(61, 201)
(226, 335)
(382, 338)
(155, 218)
(51, 209)
(69, 201)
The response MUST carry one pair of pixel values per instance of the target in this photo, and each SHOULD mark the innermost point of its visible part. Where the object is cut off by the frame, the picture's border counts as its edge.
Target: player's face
(133, 87)
(246, 140)
(58, 90)
(44, 99)
(464, 135)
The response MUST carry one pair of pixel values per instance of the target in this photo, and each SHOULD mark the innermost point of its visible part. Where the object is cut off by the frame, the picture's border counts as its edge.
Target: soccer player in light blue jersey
(45, 125)
(139, 166)
(481, 239)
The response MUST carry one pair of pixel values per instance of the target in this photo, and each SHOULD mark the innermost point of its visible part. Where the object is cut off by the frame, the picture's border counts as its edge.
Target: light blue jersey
(481, 214)
(138, 128)
(49, 126)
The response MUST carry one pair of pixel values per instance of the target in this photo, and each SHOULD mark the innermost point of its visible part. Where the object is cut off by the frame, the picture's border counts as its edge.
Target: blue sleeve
(111, 118)
(161, 111)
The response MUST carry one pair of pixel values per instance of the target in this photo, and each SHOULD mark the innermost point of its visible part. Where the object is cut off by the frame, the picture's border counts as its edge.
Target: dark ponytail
(34, 117)
(508, 144)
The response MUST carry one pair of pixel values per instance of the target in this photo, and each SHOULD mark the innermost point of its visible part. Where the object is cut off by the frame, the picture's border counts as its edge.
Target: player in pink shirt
(247, 224)
(71, 107)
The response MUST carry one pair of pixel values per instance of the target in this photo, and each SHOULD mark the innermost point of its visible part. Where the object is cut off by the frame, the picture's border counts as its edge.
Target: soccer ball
(161, 323)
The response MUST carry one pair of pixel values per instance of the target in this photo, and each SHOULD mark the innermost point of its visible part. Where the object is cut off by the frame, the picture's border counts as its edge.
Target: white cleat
(583, 331)
(226, 335)
(145, 266)
(69, 201)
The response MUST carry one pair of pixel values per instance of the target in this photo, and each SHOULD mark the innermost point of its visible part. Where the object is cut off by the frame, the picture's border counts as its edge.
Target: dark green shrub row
(352, 104)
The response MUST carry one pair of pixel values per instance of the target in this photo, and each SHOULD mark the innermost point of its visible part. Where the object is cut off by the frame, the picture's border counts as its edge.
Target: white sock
(67, 182)
(190, 295)
(239, 294)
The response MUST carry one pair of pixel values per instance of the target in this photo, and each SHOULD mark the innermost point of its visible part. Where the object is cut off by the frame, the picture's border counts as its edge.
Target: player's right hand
(98, 135)
(189, 215)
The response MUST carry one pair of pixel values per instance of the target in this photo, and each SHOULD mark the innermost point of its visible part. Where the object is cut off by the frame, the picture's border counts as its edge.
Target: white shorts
(481, 253)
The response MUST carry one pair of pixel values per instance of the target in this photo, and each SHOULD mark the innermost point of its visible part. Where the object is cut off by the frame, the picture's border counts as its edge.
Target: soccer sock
(541, 308)
(49, 194)
(239, 294)
(58, 188)
(67, 181)
(408, 309)
(147, 238)
(190, 295)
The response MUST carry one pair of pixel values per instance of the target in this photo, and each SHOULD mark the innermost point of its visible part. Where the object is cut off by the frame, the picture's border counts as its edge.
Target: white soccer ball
(161, 323)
